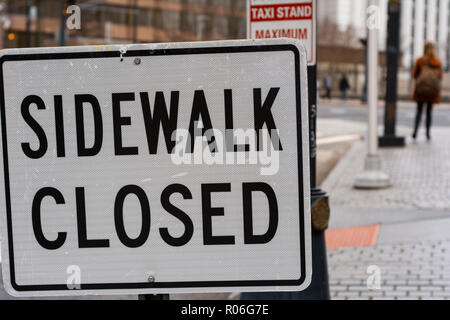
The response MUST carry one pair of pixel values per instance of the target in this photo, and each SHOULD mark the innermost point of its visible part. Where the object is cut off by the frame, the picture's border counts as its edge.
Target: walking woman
(427, 73)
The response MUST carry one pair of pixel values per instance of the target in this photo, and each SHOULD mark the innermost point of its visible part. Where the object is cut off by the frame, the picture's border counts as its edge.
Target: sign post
(298, 19)
(155, 169)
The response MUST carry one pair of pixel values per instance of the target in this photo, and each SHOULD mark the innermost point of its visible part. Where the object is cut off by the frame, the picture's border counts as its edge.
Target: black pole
(320, 210)
(389, 139)
(312, 111)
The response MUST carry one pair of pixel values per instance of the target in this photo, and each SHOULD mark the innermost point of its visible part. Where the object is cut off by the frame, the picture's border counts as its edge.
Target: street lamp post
(389, 139)
(372, 177)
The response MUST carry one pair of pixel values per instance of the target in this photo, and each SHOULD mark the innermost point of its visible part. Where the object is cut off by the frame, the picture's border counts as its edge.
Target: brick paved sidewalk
(405, 271)
(412, 250)
(420, 173)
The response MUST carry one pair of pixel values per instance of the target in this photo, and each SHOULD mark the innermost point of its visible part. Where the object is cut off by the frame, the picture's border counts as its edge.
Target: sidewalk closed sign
(156, 168)
(284, 19)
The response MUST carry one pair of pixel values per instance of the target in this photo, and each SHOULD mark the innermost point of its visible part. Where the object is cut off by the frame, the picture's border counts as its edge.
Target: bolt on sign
(284, 19)
(157, 168)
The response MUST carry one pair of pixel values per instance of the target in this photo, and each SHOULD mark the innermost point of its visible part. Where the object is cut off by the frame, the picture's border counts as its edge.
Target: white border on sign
(305, 161)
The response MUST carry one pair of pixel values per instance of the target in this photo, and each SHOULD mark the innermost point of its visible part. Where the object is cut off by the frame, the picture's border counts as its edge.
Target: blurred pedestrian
(427, 73)
(344, 86)
(364, 94)
(328, 84)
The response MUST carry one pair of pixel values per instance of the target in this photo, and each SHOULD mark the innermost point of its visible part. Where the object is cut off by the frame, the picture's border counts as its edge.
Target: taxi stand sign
(99, 197)
(284, 19)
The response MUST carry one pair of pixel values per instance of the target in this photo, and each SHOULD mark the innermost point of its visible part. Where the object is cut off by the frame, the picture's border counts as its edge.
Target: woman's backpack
(428, 83)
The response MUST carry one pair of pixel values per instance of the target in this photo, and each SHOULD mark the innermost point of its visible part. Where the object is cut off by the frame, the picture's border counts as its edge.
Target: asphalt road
(405, 115)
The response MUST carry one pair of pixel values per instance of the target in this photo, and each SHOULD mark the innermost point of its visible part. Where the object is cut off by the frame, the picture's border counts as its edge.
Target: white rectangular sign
(125, 170)
(284, 19)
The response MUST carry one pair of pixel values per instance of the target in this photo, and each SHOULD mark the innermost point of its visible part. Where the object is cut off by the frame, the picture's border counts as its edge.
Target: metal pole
(320, 210)
(372, 177)
(312, 107)
(372, 87)
(389, 139)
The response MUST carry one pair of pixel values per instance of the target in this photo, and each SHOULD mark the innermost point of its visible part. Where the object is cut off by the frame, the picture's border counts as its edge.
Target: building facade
(421, 21)
(351, 14)
(118, 21)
